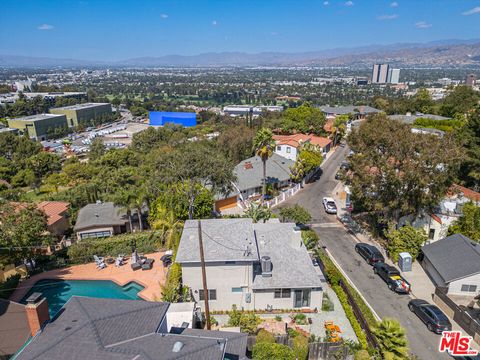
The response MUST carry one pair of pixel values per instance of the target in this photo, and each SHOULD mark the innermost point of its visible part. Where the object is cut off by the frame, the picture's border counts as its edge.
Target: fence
(283, 196)
(459, 315)
(359, 315)
(316, 350)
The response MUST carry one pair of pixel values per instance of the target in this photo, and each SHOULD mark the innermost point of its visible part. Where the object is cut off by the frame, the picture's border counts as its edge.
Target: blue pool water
(58, 292)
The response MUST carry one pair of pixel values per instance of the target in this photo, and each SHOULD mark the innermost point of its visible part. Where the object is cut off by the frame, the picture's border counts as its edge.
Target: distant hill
(444, 53)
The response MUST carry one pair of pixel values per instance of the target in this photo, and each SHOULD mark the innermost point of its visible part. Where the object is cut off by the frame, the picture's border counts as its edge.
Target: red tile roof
(436, 218)
(54, 210)
(296, 140)
(468, 193)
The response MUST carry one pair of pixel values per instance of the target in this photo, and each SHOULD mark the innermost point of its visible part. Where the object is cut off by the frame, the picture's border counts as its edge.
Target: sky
(124, 29)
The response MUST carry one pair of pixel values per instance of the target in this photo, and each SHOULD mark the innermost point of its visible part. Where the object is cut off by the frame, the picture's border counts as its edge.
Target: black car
(345, 165)
(369, 253)
(431, 315)
(338, 175)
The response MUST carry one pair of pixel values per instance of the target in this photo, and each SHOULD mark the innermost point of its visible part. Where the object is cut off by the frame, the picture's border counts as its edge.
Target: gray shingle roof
(350, 109)
(103, 329)
(226, 240)
(101, 214)
(454, 257)
(14, 329)
(409, 119)
(251, 176)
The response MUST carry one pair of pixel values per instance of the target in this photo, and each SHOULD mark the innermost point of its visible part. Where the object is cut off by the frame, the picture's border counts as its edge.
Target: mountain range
(444, 53)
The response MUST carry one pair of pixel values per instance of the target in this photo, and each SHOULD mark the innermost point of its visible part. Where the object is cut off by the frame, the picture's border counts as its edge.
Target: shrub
(267, 351)
(172, 290)
(362, 355)
(300, 347)
(300, 319)
(83, 251)
(278, 318)
(265, 336)
(213, 321)
(310, 239)
(327, 304)
(8, 286)
(247, 321)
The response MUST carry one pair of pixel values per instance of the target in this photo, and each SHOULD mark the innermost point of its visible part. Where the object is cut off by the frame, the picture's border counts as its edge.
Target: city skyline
(95, 30)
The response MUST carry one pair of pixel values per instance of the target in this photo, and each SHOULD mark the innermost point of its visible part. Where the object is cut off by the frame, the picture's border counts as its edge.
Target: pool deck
(152, 279)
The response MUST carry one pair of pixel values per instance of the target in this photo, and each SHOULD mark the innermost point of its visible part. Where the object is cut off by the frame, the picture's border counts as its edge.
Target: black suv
(431, 315)
(392, 277)
(369, 253)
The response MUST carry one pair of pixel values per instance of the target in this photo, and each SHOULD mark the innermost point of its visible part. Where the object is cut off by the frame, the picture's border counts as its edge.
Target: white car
(329, 205)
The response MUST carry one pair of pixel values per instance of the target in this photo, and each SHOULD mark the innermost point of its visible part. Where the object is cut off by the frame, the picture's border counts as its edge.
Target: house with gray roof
(113, 329)
(255, 266)
(410, 118)
(453, 263)
(102, 219)
(249, 179)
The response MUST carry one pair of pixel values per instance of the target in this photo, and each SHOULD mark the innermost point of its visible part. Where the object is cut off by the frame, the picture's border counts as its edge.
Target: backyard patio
(151, 280)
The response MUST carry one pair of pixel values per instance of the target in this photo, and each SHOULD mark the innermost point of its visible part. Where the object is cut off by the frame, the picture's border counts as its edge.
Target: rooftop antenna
(204, 275)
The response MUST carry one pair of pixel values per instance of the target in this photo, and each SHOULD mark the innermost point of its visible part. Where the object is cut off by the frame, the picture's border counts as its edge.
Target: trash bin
(405, 261)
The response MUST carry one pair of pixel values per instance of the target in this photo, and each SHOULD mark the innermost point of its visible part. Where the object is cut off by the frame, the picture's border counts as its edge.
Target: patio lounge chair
(147, 265)
(136, 266)
(98, 259)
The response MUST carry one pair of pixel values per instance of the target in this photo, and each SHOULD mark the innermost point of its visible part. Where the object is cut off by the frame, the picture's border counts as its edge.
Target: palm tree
(391, 339)
(258, 212)
(263, 145)
(126, 200)
(170, 227)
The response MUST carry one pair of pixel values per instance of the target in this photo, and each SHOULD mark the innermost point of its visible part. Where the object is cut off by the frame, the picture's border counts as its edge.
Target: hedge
(83, 251)
(334, 276)
(8, 286)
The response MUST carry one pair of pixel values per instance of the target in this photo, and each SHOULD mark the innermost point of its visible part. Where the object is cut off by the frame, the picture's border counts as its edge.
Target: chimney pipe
(37, 312)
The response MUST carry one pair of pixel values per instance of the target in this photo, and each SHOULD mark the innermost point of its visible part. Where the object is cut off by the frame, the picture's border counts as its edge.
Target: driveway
(341, 244)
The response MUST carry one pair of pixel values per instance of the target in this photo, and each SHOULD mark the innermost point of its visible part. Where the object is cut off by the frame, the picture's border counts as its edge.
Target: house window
(236, 289)
(469, 288)
(279, 148)
(230, 262)
(289, 149)
(95, 234)
(212, 294)
(281, 293)
(431, 234)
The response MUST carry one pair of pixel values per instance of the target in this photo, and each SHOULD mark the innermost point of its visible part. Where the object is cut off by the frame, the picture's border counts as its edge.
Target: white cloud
(164, 16)
(387, 17)
(349, 3)
(214, 23)
(394, 4)
(475, 10)
(45, 27)
(422, 25)
(326, 3)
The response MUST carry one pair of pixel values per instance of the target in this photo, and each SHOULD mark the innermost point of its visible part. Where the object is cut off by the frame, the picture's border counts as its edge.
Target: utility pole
(204, 275)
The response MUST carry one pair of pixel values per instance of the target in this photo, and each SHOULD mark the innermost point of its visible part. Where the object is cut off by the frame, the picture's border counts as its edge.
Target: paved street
(341, 244)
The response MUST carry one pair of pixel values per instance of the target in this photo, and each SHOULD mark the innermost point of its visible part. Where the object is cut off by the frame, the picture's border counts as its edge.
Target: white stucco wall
(455, 287)
(283, 150)
(264, 299)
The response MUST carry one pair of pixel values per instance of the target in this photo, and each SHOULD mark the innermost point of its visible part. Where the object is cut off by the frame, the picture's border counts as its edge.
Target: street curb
(350, 282)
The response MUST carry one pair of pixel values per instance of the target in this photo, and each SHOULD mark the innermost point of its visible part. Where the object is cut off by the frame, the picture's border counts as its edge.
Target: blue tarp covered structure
(160, 118)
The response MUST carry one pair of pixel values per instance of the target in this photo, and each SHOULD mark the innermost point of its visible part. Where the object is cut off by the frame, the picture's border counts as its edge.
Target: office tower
(470, 80)
(393, 76)
(380, 73)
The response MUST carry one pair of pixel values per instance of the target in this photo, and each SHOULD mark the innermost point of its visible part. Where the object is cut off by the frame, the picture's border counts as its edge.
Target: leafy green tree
(405, 239)
(172, 290)
(422, 101)
(297, 171)
(258, 212)
(305, 119)
(339, 128)
(23, 230)
(236, 142)
(310, 158)
(43, 164)
(300, 347)
(97, 149)
(263, 145)
(396, 172)
(268, 351)
(470, 137)
(310, 239)
(392, 339)
(468, 224)
(25, 177)
(197, 166)
(462, 99)
(295, 213)
(56, 180)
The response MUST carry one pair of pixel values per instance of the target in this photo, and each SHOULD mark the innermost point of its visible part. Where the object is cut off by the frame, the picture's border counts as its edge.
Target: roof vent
(266, 263)
(178, 346)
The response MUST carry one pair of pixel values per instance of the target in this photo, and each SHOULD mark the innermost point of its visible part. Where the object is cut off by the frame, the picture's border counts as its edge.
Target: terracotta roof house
(57, 216)
(288, 146)
(113, 329)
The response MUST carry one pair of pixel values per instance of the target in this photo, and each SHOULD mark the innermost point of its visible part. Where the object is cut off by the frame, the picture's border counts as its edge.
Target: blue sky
(122, 29)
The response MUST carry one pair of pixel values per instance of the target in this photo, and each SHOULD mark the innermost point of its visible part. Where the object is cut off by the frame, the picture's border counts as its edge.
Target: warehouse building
(83, 114)
(39, 127)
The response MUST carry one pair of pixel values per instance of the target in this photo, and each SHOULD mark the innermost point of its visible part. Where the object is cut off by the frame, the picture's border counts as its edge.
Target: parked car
(329, 205)
(431, 315)
(338, 175)
(369, 253)
(392, 277)
(345, 165)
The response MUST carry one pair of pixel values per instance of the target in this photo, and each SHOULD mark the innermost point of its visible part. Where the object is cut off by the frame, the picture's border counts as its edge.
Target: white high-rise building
(393, 76)
(380, 73)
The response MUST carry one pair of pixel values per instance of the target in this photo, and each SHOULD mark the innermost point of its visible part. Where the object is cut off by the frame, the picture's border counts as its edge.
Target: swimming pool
(58, 292)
